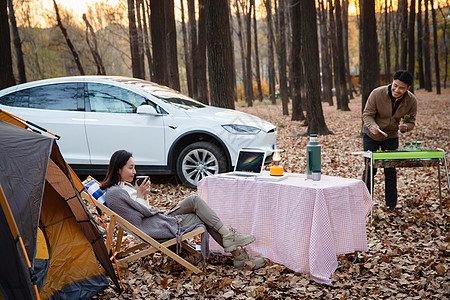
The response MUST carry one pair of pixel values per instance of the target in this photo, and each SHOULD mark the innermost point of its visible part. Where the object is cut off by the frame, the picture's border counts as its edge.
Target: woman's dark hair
(118, 160)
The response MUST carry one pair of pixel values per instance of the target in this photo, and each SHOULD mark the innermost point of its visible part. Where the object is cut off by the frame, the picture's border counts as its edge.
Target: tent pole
(15, 230)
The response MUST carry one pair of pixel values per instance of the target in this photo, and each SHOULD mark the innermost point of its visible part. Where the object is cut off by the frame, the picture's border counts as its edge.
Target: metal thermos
(313, 160)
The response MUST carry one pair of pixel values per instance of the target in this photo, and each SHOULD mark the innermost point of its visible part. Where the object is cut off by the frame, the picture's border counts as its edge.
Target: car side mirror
(146, 109)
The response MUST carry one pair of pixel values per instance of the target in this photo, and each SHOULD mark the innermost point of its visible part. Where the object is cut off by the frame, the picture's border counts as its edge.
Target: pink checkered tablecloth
(302, 224)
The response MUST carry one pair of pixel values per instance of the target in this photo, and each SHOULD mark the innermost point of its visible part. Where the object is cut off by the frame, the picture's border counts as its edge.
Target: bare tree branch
(94, 48)
(68, 41)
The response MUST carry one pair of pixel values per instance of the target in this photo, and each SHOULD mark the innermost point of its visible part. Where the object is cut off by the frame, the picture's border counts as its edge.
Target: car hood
(229, 116)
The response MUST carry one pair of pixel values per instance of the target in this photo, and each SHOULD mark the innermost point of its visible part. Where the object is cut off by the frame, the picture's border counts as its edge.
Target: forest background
(267, 49)
(319, 51)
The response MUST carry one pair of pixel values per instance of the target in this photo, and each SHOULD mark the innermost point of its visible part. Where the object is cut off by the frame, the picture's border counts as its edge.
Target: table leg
(371, 185)
(371, 178)
(367, 170)
(439, 180)
(355, 260)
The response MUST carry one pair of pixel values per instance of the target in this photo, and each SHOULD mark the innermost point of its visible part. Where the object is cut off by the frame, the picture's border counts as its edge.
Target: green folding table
(399, 158)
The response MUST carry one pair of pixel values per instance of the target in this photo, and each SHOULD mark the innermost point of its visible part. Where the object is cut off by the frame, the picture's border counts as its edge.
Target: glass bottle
(419, 146)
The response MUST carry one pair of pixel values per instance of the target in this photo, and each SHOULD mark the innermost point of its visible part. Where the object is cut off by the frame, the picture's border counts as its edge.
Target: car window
(113, 99)
(179, 101)
(60, 96)
(16, 99)
(165, 94)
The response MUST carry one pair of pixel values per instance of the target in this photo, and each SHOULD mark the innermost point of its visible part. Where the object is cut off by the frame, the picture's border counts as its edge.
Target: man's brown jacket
(378, 111)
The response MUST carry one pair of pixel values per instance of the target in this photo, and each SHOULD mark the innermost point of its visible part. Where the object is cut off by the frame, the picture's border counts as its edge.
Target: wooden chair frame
(148, 245)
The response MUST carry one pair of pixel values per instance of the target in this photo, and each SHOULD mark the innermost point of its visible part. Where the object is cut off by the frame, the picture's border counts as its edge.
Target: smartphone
(140, 179)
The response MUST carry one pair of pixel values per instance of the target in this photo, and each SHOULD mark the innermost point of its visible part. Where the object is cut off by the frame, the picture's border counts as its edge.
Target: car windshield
(165, 94)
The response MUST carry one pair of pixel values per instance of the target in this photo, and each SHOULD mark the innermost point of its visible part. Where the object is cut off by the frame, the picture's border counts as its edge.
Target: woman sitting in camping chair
(130, 201)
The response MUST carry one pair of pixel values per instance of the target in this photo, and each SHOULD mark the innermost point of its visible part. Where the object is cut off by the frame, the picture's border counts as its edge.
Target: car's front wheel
(199, 160)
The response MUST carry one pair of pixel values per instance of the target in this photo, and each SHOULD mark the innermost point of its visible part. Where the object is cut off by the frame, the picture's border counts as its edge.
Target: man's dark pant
(390, 174)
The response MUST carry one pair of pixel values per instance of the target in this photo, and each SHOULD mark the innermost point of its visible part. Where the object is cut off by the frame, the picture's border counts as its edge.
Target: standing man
(385, 109)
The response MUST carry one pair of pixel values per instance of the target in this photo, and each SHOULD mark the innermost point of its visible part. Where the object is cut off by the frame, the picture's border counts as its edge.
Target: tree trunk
(310, 57)
(233, 63)
(137, 64)
(288, 47)
(271, 58)
(171, 46)
(140, 35)
(426, 50)
(134, 42)
(6, 69)
(219, 51)
(342, 98)
(75, 55)
(403, 10)
(193, 38)
(282, 58)
(420, 45)
(146, 21)
(17, 43)
(248, 58)
(411, 41)
(239, 5)
(370, 70)
(327, 78)
(387, 43)
(187, 53)
(296, 62)
(158, 29)
(346, 52)
(334, 53)
(395, 32)
(202, 84)
(444, 31)
(436, 50)
(258, 73)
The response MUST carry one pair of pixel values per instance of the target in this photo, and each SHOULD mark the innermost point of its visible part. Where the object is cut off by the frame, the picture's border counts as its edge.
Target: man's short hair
(404, 76)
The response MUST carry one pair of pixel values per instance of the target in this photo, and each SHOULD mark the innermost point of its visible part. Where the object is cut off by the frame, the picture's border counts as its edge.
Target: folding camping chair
(148, 245)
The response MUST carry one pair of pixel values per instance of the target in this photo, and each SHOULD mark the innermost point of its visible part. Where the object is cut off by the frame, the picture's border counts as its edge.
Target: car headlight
(241, 129)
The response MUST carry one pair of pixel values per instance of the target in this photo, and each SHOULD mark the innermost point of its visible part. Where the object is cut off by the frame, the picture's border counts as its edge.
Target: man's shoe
(232, 240)
(244, 260)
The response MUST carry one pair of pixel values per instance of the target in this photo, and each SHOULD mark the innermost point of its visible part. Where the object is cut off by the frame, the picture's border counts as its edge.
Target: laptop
(249, 162)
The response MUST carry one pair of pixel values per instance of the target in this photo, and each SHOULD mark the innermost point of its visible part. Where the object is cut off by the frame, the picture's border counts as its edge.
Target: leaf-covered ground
(409, 250)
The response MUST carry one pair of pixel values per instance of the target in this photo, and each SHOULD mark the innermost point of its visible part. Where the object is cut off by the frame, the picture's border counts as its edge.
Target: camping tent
(42, 206)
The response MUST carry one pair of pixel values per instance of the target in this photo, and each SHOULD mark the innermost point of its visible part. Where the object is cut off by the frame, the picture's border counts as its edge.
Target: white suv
(167, 132)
